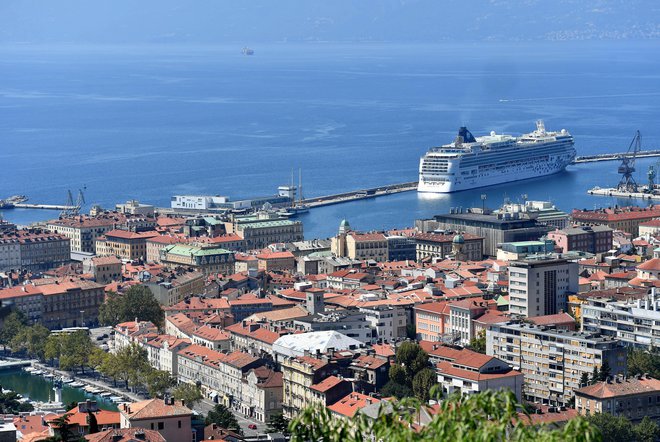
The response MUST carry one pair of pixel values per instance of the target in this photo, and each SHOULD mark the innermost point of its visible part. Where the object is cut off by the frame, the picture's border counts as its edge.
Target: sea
(149, 122)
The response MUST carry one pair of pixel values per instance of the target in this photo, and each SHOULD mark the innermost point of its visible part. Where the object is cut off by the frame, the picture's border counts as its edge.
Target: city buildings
(463, 247)
(105, 269)
(635, 322)
(360, 246)
(514, 251)
(33, 249)
(124, 244)
(204, 258)
(495, 228)
(627, 219)
(591, 239)
(541, 286)
(56, 303)
(83, 230)
(265, 228)
(172, 419)
(553, 361)
(631, 397)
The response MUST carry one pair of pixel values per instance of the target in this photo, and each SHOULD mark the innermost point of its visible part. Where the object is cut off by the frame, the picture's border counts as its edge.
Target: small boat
(117, 399)
(106, 394)
(76, 384)
(48, 375)
(29, 369)
(38, 372)
(67, 380)
(97, 391)
(247, 51)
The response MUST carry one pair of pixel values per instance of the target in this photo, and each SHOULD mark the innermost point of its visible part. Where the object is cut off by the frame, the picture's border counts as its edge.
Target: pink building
(591, 239)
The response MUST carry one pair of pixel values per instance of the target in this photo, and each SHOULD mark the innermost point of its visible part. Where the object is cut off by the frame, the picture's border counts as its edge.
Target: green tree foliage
(10, 404)
(613, 428)
(595, 376)
(643, 361)
(64, 431)
(138, 302)
(278, 424)
(97, 359)
(128, 364)
(223, 417)
(647, 430)
(188, 393)
(13, 323)
(394, 389)
(605, 370)
(75, 350)
(411, 359)
(423, 382)
(584, 380)
(478, 343)
(31, 340)
(489, 416)
(158, 382)
(398, 374)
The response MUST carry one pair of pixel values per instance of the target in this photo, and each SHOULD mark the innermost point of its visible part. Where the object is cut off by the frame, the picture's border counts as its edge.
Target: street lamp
(483, 202)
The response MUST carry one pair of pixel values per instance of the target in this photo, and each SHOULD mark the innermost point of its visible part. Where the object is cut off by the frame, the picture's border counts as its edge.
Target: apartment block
(541, 286)
(33, 249)
(591, 239)
(553, 361)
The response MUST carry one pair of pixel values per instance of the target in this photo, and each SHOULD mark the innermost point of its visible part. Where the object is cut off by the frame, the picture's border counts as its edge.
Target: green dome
(458, 239)
(344, 224)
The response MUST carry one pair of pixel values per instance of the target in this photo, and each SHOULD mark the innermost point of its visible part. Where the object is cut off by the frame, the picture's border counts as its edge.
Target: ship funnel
(466, 135)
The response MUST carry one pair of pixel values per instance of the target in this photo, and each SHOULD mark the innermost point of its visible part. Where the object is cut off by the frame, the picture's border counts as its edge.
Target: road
(205, 406)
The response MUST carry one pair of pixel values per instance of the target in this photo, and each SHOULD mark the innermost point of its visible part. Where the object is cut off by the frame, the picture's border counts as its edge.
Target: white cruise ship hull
(431, 185)
(470, 163)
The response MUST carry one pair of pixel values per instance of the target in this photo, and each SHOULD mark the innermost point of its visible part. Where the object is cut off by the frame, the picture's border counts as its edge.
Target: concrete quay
(610, 191)
(615, 156)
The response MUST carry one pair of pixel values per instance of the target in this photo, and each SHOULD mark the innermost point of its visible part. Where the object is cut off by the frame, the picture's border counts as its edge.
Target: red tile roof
(627, 387)
(327, 384)
(349, 405)
(652, 265)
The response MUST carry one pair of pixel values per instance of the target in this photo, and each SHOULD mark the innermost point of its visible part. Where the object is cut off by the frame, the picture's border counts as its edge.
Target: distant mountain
(225, 21)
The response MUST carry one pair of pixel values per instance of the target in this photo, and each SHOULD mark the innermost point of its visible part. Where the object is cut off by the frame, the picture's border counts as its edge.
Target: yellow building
(124, 244)
(359, 246)
(298, 376)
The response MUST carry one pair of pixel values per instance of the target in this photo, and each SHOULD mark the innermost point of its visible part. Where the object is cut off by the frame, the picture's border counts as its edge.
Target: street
(204, 406)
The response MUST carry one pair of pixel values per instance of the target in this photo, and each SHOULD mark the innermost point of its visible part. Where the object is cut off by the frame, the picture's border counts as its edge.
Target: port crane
(73, 209)
(627, 167)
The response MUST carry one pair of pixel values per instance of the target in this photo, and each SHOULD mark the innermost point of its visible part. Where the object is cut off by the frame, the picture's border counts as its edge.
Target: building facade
(591, 239)
(553, 362)
(539, 287)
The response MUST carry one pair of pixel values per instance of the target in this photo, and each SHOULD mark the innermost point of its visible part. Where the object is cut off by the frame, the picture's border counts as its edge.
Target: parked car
(252, 426)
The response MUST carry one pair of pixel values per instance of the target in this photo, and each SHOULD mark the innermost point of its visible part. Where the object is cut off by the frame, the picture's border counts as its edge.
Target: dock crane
(73, 209)
(627, 167)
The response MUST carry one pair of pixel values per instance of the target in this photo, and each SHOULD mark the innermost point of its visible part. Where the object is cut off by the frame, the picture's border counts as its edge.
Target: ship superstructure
(470, 162)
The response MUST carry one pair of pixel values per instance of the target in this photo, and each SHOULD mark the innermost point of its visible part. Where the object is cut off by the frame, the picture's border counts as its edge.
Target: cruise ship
(471, 162)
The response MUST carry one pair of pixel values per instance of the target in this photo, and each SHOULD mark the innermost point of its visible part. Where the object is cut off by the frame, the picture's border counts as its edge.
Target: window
(179, 424)
(161, 425)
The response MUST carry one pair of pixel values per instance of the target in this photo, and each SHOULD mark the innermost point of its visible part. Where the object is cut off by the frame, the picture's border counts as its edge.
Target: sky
(254, 21)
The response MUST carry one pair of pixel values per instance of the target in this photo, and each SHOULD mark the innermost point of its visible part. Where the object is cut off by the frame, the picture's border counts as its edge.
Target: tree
(398, 374)
(595, 376)
(223, 417)
(605, 370)
(412, 358)
(75, 350)
(97, 359)
(646, 430)
(612, 428)
(584, 380)
(422, 383)
(188, 393)
(278, 424)
(394, 389)
(31, 340)
(138, 302)
(53, 347)
(478, 343)
(641, 362)
(130, 363)
(10, 404)
(487, 416)
(13, 323)
(158, 382)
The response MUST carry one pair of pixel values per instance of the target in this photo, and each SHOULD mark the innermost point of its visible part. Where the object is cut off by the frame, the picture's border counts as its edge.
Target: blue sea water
(148, 122)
